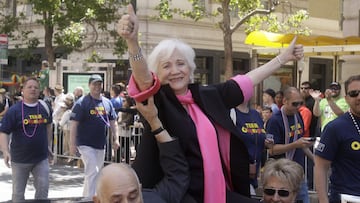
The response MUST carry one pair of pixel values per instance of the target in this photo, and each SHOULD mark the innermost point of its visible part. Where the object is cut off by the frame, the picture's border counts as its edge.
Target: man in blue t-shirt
(339, 148)
(288, 128)
(90, 118)
(29, 122)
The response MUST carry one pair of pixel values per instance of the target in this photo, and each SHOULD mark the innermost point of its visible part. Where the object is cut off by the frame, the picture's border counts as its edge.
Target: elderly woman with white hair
(199, 116)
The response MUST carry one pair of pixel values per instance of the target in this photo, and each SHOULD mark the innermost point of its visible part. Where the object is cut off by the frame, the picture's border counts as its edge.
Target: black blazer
(216, 102)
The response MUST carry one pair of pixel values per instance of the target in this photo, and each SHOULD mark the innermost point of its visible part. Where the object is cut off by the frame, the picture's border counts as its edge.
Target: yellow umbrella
(275, 40)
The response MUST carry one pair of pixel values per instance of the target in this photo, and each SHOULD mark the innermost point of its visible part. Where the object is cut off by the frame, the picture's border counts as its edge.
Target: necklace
(100, 113)
(354, 121)
(23, 120)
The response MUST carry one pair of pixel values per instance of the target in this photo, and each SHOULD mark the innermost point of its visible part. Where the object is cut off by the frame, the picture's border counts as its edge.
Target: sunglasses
(304, 88)
(353, 93)
(281, 192)
(297, 104)
(334, 88)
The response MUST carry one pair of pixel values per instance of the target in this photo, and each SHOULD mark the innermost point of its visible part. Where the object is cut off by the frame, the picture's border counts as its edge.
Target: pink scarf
(214, 181)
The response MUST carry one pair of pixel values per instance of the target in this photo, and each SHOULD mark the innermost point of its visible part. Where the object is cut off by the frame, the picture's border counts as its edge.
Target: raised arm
(293, 52)
(128, 28)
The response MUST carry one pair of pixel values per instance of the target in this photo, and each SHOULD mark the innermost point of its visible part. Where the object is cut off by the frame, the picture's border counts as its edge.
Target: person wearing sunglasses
(281, 180)
(339, 148)
(287, 126)
(331, 106)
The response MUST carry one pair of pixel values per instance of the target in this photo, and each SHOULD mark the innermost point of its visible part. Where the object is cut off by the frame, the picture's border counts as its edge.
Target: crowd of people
(199, 143)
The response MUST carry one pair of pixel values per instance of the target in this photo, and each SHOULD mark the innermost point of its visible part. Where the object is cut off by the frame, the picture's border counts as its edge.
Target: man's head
(335, 88)
(305, 87)
(352, 90)
(292, 100)
(58, 89)
(44, 64)
(269, 96)
(118, 182)
(30, 90)
(78, 92)
(2, 90)
(266, 113)
(95, 85)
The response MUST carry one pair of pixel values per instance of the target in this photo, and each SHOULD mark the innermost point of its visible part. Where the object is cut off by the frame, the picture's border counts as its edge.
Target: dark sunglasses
(281, 192)
(296, 104)
(304, 88)
(353, 93)
(335, 88)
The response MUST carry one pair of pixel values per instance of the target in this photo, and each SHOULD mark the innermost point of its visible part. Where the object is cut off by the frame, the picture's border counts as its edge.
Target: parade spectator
(4, 103)
(269, 100)
(287, 127)
(332, 106)
(43, 75)
(59, 99)
(279, 95)
(29, 122)
(65, 123)
(339, 150)
(116, 98)
(199, 116)
(78, 92)
(90, 118)
(48, 97)
(266, 114)
(305, 90)
(281, 180)
(251, 127)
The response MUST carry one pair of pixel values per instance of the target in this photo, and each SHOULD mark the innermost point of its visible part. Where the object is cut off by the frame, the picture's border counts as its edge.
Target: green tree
(232, 14)
(68, 23)
(10, 24)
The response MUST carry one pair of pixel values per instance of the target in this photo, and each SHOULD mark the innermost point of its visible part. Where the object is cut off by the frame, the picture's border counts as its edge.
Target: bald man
(118, 182)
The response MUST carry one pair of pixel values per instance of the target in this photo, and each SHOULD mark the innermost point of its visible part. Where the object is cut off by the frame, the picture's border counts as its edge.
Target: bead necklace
(107, 122)
(23, 125)
(355, 123)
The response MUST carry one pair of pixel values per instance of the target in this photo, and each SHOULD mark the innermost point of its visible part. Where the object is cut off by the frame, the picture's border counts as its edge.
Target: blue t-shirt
(29, 140)
(94, 117)
(275, 126)
(252, 131)
(116, 102)
(340, 144)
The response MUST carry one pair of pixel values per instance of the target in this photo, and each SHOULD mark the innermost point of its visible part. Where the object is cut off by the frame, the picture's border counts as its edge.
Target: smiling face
(175, 71)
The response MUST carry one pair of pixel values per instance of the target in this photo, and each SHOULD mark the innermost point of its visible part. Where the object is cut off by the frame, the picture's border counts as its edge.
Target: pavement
(66, 182)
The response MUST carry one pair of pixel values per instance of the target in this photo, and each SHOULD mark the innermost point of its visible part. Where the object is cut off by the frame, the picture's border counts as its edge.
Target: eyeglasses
(281, 192)
(353, 93)
(334, 88)
(296, 104)
(304, 88)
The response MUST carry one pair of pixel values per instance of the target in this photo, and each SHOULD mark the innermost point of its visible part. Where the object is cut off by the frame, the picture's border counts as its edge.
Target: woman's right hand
(128, 26)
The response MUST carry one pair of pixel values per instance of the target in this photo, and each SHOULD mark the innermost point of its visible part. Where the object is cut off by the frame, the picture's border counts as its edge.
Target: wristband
(157, 131)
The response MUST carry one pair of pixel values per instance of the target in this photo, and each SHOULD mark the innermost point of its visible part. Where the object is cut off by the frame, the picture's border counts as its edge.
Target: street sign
(3, 49)
(3, 39)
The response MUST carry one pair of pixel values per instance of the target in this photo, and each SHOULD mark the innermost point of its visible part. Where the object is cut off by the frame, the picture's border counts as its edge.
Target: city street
(65, 182)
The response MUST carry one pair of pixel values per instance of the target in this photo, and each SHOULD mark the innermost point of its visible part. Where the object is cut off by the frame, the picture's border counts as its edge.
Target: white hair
(165, 49)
